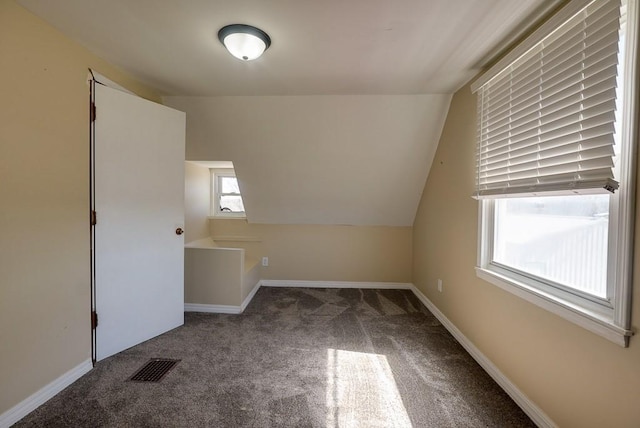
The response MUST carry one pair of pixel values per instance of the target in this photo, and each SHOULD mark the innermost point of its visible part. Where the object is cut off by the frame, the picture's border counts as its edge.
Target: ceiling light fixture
(244, 41)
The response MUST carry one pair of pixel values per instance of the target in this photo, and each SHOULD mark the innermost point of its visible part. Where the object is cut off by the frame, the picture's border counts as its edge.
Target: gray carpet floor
(294, 358)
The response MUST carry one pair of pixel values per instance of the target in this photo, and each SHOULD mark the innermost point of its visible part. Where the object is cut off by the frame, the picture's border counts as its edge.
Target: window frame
(611, 321)
(216, 194)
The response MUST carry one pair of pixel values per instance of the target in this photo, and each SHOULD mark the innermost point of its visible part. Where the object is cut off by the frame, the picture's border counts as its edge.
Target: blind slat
(566, 54)
(535, 153)
(547, 121)
(569, 84)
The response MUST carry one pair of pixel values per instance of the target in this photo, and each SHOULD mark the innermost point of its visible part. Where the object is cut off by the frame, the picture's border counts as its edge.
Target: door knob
(179, 231)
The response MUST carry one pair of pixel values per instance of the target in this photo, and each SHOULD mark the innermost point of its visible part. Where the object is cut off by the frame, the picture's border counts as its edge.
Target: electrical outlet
(265, 261)
(440, 285)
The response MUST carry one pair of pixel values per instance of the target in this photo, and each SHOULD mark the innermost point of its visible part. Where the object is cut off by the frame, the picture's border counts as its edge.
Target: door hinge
(94, 218)
(92, 112)
(94, 320)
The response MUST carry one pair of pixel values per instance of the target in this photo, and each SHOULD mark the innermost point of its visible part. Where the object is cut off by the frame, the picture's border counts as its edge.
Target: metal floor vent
(154, 370)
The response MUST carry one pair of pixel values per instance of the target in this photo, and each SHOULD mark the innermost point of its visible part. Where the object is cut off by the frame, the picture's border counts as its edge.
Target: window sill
(592, 321)
(227, 217)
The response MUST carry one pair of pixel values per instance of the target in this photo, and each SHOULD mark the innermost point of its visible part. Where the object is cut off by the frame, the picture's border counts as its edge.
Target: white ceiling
(339, 120)
(319, 47)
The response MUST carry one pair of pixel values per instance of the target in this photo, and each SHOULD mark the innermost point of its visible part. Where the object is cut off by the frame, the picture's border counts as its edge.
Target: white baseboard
(249, 297)
(229, 309)
(222, 309)
(539, 417)
(212, 309)
(337, 284)
(45, 393)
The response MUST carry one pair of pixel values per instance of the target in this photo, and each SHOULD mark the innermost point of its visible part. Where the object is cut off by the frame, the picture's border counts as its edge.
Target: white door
(138, 196)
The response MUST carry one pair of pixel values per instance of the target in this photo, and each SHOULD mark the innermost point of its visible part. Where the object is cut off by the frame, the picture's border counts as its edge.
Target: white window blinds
(546, 121)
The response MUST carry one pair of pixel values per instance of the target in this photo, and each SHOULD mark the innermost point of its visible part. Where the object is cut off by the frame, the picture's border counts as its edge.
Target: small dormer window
(226, 198)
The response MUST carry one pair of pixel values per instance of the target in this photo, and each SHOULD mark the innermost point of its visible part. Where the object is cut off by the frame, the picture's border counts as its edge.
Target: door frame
(94, 78)
(92, 205)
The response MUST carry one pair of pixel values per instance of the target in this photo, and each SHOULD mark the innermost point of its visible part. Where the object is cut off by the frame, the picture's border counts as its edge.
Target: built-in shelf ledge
(227, 238)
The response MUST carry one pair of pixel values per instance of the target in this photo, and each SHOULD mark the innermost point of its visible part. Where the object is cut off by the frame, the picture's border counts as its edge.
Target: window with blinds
(555, 171)
(546, 121)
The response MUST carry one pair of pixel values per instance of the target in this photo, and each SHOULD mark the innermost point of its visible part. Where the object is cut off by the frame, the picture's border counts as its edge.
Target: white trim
(337, 284)
(229, 238)
(626, 200)
(539, 417)
(216, 173)
(211, 164)
(573, 313)
(249, 297)
(43, 395)
(216, 217)
(241, 216)
(99, 78)
(230, 309)
(212, 309)
(223, 309)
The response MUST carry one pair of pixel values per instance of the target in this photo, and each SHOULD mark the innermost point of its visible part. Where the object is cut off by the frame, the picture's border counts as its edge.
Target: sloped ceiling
(338, 122)
(332, 159)
(319, 47)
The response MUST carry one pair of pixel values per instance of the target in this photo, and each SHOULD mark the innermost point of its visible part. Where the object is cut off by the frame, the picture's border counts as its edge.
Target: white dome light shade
(244, 46)
(243, 41)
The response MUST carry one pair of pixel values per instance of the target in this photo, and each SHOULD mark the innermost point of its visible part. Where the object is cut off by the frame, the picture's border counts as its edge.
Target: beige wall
(578, 378)
(197, 195)
(44, 194)
(213, 276)
(323, 252)
(301, 252)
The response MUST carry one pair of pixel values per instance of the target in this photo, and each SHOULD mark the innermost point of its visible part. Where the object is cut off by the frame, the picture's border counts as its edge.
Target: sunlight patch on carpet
(361, 391)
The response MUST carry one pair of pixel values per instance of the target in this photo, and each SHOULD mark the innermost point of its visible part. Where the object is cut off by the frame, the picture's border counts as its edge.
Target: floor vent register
(154, 370)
